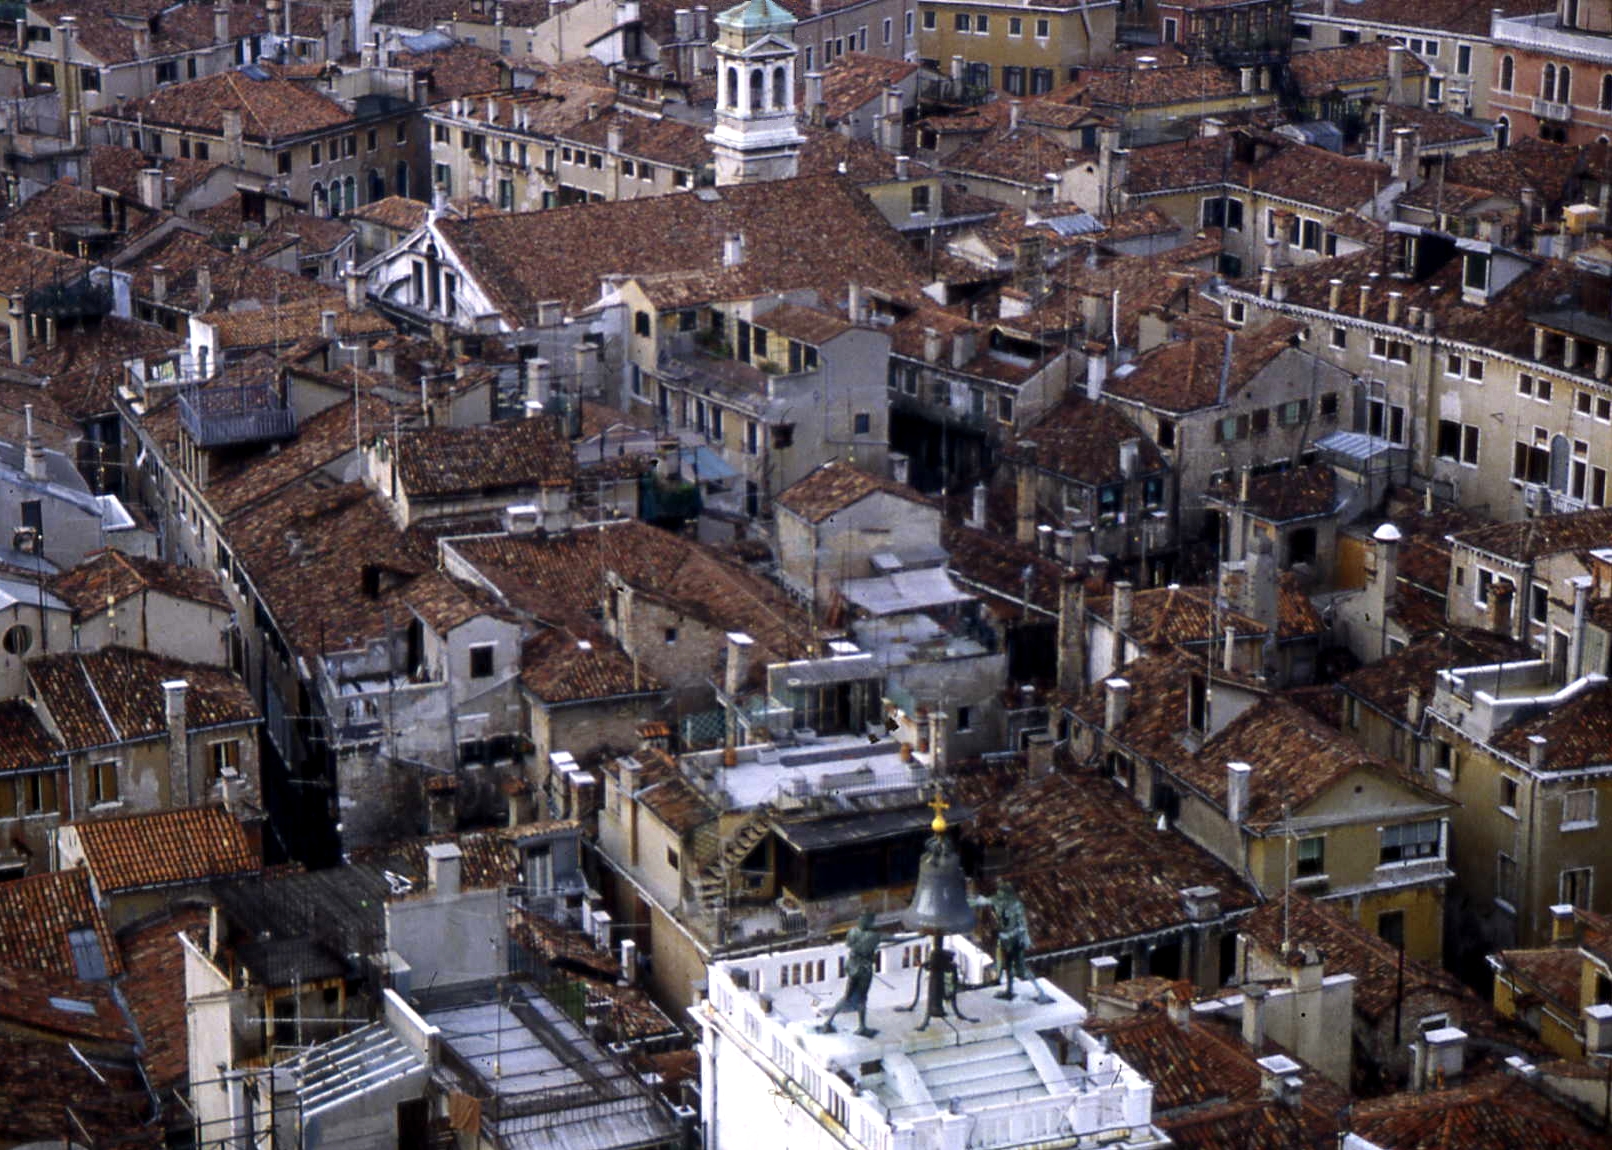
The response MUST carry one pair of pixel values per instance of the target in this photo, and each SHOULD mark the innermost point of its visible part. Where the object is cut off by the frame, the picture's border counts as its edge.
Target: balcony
(1550, 110)
(1540, 32)
(219, 416)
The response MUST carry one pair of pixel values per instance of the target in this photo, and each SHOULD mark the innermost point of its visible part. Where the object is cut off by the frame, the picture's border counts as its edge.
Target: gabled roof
(154, 987)
(36, 914)
(1526, 540)
(270, 108)
(24, 742)
(1080, 440)
(111, 576)
(856, 79)
(663, 789)
(190, 845)
(1470, 17)
(1578, 733)
(115, 695)
(1387, 683)
(1186, 375)
(522, 260)
(1283, 496)
(1498, 1110)
(1316, 73)
(521, 454)
(835, 486)
(558, 666)
(1091, 866)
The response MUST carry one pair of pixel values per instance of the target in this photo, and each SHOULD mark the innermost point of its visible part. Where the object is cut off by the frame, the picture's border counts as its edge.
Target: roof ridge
(89, 681)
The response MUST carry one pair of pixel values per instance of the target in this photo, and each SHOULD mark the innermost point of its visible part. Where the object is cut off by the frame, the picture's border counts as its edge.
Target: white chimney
(1237, 777)
(173, 693)
(1116, 704)
(443, 863)
(733, 250)
(1124, 600)
(976, 517)
(33, 452)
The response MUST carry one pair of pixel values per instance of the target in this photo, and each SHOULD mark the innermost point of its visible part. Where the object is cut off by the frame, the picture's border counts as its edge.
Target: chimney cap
(1387, 533)
(172, 685)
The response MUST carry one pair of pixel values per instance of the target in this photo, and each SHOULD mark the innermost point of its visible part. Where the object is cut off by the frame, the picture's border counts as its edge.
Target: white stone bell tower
(755, 137)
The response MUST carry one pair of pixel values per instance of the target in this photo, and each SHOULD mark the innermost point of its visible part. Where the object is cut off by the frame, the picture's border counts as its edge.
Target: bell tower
(755, 137)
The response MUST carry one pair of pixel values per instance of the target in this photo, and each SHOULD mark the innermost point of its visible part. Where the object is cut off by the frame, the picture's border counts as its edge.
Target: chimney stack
(733, 250)
(1116, 704)
(204, 290)
(1024, 511)
(327, 324)
(1237, 778)
(976, 517)
(1537, 747)
(1071, 634)
(179, 790)
(1254, 1016)
(1124, 604)
(443, 869)
(33, 453)
(355, 287)
(159, 283)
(19, 333)
(151, 188)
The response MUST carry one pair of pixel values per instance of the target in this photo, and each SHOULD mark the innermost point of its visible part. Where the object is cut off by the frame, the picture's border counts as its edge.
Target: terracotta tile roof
(1387, 683)
(557, 580)
(663, 790)
(114, 575)
(455, 71)
(1435, 127)
(811, 325)
(1322, 71)
(1134, 87)
(115, 695)
(179, 846)
(154, 987)
(1498, 1110)
(1080, 440)
(1186, 1065)
(287, 324)
(1262, 1124)
(36, 914)
(63, 204)
(1526, 540)
(1528, 163)
(1470, 17)
(1349, 948)
(660, 139)
(316, 235)
(1296, 172)
(856, 79)
(1579, 732)
(488, 860)
(1284, 496)
(309, 550)
(396, 212)
(1551, 973)
(1165, 617)
(986, 559)
(25, 267)
(44, 1079)
(29, 999)
(1185, 375)
(270, 109)
(559, 946)
(514, 455)
(1090, 864)
(835, 486)
(174, 28)
(421, 15)
(1023, 155)
(237, 279)
(116, 167)
(24, 742)
(560, 667)
(320, 442)
(1295, 756)
(522, 260)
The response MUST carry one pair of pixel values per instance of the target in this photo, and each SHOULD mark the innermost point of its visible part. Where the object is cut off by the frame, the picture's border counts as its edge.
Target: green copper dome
(756, 16)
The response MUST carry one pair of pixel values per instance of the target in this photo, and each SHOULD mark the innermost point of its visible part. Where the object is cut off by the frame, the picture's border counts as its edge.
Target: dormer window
(1475, 272)
(1198, 704)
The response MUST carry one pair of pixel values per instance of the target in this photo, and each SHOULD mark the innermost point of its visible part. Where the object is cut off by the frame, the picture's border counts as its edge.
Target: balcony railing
(217, 416)
(1550, 110)
(1540, 31)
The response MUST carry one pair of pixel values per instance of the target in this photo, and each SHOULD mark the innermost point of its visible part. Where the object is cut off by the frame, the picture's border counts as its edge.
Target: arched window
(1508, 73)
(1564, 85)
(1547, 82)
(350, 199)
(733, 87)
(335, 198)
(1560, 455)
(1502, 132)
(758, 94)
(780, 88)
(317, 200)
(377, 185)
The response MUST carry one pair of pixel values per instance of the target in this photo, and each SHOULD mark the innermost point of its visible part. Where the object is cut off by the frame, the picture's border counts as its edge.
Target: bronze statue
(863, 943)
(1012, 937)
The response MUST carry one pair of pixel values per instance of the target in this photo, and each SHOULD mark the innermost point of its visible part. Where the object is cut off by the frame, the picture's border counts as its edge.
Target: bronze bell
(940, 900)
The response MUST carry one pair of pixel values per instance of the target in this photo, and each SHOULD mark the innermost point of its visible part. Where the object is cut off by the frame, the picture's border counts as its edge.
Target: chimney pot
(443, 869)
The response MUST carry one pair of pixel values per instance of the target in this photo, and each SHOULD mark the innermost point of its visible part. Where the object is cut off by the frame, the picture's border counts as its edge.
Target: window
(225, 753)
(1463, 59)
(1446, 760)
(862, 424)
(1578, 809)
(481, 661)
(1457, 442)
(38, 793)
(965, 718)
(1391, 928)
(1164, 436)
(889, 29)
(282, 162)
(1340, 338)
(1310, 856)
(1015, 26)
(672, 859)
(929, 19)
(1530, 462)
(1508, 794)
(1573, 889)
(670, 635)
(982, 25)
(401, 135)
(1508, 74)
(18, 639)
(960, 22)
(1223, 211)
(1349, 36)
(1538, 602)
(1301, 31)
(1013, 80)
(641, 323)
(104, 782)
(920, 199)
(168, 72)
(1043, 29)
(1409, 841)
(1236, 312)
